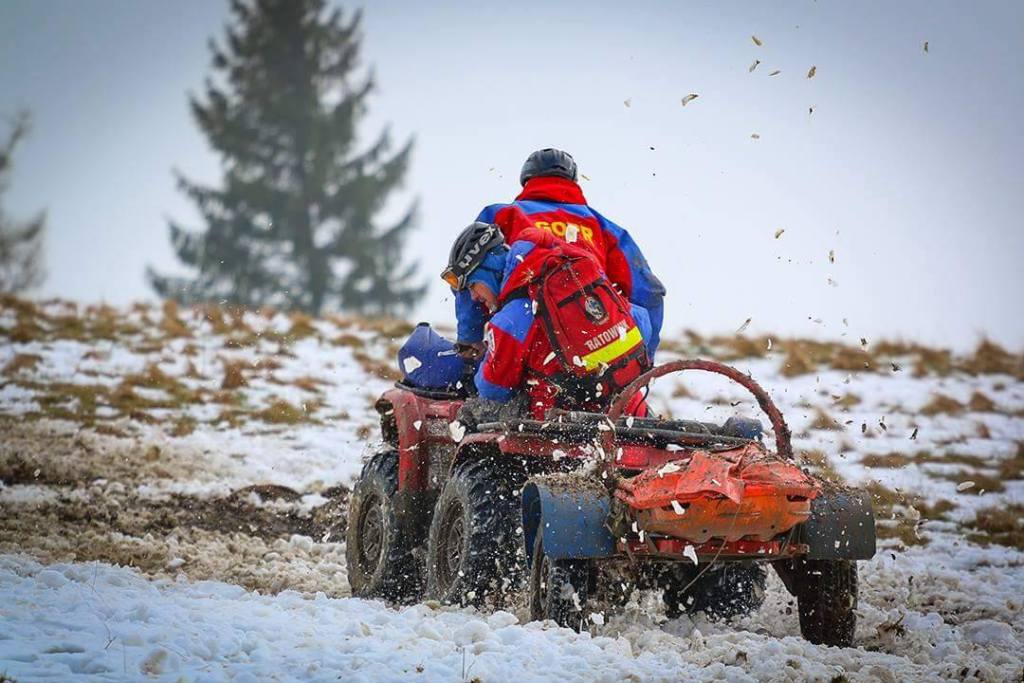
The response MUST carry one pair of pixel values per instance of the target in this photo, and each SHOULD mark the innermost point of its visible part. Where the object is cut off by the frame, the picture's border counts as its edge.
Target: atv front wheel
(737, 589)
(475, 534)
(379, 555)
(558, 588)
(826, 596)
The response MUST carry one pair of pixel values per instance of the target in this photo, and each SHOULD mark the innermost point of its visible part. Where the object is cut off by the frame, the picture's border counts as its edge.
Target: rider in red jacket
(520, 360)
(552, 201)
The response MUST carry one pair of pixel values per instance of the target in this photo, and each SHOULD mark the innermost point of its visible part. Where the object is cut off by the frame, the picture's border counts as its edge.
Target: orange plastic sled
(741, 493)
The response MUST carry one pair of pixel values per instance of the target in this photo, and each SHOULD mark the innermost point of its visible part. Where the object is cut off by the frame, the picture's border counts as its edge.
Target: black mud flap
(841, 527)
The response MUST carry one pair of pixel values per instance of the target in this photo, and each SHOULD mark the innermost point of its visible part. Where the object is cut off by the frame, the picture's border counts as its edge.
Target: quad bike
(696, 510)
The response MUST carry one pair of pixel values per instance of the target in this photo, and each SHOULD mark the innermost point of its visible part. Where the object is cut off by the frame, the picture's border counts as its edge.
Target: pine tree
(21, 242)
(293, 224)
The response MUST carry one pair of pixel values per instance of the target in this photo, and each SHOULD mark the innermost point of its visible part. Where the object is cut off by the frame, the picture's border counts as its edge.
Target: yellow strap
(608, 354)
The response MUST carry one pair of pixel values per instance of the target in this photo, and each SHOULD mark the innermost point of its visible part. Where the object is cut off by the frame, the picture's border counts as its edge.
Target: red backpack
(588, 324)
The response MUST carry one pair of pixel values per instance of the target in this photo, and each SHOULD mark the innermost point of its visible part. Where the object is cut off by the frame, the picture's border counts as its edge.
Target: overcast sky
(909, 168)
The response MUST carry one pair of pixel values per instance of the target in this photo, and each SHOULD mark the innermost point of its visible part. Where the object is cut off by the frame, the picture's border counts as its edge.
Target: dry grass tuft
(823, 420)
(942, 404)
(376, 367)
(990, 358)
(821, 466)
(234, 378)
(983, 483)
(680, 391)
(350, 340)
(21, 361)
(171, 324)
(310, 384)
(852, 360)
(183, 426)
(887, 460)
(736, 347)
(932, 361)
(980, 403)
(1013, 467)
(282, 412)
(1000, 524)
(798, 361)
(302, 326)
(847, 401)
(902, 524)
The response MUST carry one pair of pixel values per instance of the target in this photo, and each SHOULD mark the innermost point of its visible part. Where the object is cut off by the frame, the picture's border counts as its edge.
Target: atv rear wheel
(737, 589)
(558, 588)
(379, 555)
(475, 535)
(826, 596)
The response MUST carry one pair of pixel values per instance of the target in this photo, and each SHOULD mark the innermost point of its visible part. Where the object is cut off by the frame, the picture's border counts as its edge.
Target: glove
(475, 411)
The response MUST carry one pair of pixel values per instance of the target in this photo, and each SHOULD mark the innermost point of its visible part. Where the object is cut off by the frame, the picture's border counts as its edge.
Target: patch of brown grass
(823, 420)
(852, 360)
(234, 378)
(903, 526)
(350, 340)
(847, 401)
(736, 347)
(1013, 467)
(376, 367)
(183, 426)
(282, 412)
(887, 460)
(798, 361)
(821, 466)
(942, 404)
(215, 316)
(310, 384)
(990, 358)
(980, 403)
(171, 324)
(982, 482)
(894, 460)
(932, 361)
(302, 326)
(680, 391)
(110, 430)
(1000, 524)
(152, 377)
(891, 347)
(21, 361)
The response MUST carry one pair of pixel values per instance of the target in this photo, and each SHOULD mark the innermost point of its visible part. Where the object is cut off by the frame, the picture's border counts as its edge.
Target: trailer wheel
(826, 595)
(737, 589)
(473, 548)
(379, 555)
(558, 588)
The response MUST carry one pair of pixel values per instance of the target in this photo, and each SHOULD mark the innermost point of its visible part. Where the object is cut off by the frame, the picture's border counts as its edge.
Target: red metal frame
(412, 415)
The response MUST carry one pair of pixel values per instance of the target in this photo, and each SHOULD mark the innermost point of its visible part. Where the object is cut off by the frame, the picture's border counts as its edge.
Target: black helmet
(469, 251)
(548, 162)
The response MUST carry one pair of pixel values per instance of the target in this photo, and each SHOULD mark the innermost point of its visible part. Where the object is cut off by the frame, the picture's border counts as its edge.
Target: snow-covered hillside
(173, 487)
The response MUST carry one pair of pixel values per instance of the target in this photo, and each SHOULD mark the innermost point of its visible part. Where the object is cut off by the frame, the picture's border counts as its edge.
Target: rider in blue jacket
(552, 201)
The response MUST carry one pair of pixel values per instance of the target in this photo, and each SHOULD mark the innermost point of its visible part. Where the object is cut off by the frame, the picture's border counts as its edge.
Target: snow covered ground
(173, 487)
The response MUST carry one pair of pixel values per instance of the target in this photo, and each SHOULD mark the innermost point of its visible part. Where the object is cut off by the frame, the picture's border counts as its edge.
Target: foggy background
(909, 167)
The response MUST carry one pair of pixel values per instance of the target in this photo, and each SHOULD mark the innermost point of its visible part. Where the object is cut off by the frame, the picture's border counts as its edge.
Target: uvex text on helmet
(548, 162)
(469, 250)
